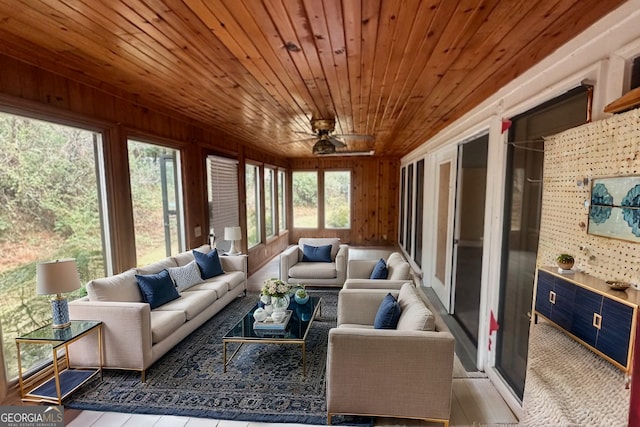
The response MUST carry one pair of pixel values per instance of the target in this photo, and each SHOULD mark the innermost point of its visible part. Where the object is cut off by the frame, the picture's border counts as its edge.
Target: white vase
(269, 309)
(278, 316)
(280, 303)
(260, 314)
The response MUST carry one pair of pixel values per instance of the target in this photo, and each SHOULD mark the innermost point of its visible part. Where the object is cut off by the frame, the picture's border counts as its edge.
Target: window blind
(222, 186)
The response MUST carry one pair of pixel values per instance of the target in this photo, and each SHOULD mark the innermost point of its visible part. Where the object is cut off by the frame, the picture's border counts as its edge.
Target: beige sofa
(333, 273)
(135, 336)
(359, 273)
(402, 373)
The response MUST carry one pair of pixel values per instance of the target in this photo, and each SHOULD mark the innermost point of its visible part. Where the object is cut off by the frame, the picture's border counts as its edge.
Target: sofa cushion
(191, 302)
(218, 284)
(209, 264)
(415, 315)
(184, 258)
(380, 270)
(156, 267)
(157, 289)
(319, 241)
(234, 278)
(313, 270)
(316, 253)
(388, 313)
(398, 268)
(164, 323)
(122, 287)
(186, 276)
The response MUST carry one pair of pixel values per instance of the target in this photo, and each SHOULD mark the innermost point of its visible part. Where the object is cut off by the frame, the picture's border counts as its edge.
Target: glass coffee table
(302, 316)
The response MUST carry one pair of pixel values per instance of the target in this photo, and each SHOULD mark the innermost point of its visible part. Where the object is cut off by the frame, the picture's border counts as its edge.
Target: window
(305, 199)
(222, 185)
(635, 73)
(156, 196)
(409, 211)
(403, 184)
(269, 202)
(252, 183)
(282, 201)
(51, 188)
(417, 256)
(337, 199)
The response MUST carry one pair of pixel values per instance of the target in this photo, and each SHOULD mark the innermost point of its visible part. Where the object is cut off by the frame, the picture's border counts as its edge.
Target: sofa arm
(404, 374)
(288, 258)
(233, 263)
(342, 259)
(375, 284)
(360, 268)
(126, 334)
(360, 306)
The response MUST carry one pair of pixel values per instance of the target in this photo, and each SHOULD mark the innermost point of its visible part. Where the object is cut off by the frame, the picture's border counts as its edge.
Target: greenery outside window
(337, 199)
(269, 202)
(305, 199)
(282, 207)
(156, 196)
(252, 187)
(51, 193)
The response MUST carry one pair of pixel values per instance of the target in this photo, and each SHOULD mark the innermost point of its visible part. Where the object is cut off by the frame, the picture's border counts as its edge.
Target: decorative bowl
(617, 285)
(260, 314)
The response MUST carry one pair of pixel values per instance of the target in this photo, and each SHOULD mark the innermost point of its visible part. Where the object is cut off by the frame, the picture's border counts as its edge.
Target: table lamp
(233, 234)
(55, 278)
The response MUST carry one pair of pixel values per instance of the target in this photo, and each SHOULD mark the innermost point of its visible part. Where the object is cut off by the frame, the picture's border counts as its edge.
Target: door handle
(597, 321)
(552, 297)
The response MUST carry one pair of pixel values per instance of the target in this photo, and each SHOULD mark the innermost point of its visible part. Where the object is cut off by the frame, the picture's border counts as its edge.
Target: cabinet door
(615, 330)
(543, 289)
(586, 304)
(562, 310)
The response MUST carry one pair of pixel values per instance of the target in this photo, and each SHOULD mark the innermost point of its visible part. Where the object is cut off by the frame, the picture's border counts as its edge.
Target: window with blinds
(222, 190)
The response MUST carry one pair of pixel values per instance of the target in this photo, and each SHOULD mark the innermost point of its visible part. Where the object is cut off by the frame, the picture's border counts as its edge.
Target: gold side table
(53, 383)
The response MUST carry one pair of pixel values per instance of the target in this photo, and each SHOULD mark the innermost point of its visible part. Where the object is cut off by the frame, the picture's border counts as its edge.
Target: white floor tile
(229, 423)
(202, 422)
(85, 419)
(142, 420)
(111, 419)
(171, 421)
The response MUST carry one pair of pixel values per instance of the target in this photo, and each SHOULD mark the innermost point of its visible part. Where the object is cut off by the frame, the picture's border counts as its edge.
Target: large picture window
(337, 199)
(269, 202)
(252, 186)
(156, 196)
(305, 199)
(282, 200)
(51, 181)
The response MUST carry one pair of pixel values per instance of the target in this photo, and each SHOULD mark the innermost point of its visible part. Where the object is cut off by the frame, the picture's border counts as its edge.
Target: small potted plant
(565, 261)
(301, 296)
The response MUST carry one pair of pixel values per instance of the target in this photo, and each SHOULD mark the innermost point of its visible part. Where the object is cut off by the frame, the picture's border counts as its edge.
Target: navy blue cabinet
(601, 320)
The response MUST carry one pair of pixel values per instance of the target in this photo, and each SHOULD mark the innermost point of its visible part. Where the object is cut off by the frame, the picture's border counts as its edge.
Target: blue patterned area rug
(263, 383)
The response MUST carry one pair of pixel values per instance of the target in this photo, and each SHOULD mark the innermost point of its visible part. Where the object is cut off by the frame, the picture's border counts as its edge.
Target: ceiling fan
(327, 143)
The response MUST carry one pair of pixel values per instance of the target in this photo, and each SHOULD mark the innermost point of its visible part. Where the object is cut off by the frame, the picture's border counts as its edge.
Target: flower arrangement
(275, 288)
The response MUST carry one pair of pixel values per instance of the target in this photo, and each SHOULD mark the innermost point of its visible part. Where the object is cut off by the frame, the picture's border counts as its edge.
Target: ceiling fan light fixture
(323, 146)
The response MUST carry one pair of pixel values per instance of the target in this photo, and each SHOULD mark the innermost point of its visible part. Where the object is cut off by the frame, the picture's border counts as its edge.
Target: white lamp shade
(232, 233)
(57, 277)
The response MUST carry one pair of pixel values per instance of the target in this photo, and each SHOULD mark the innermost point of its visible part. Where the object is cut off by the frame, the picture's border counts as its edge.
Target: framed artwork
(615, 208)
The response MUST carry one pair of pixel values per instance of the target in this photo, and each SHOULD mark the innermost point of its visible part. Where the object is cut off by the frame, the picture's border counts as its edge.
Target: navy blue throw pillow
(209, 264)
(157, 289)
(388, 313)
(380, 271)
(316, 253)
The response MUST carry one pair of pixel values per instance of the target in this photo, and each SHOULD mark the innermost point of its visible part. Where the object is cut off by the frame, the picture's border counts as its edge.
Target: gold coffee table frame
(252, 339)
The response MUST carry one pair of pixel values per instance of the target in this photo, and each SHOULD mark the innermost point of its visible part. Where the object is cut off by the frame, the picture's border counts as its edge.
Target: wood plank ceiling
(260, 70)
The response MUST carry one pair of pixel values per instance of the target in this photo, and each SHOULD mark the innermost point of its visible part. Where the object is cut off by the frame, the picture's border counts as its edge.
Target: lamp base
(232, 249)
(60, 311)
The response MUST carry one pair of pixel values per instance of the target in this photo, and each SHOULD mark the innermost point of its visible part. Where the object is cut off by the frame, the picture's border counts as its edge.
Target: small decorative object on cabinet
(565, 261)
(589, 311)
(301, 296)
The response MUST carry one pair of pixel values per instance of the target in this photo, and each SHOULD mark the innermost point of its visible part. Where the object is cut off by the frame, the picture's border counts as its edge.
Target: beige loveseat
(136, 336)
(331, 272)
(405, 372)
(359, 273)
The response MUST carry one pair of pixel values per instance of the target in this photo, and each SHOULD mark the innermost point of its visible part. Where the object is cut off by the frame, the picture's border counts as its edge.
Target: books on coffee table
(269, 325)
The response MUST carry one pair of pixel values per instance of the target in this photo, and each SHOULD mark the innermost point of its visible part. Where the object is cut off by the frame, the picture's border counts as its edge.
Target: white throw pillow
(186, 276)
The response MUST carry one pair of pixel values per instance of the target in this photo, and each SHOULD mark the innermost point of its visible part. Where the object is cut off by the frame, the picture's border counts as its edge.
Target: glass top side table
(53, 383)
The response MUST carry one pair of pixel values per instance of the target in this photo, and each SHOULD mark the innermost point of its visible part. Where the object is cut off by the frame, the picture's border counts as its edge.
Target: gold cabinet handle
(552, 297)
(597, 321)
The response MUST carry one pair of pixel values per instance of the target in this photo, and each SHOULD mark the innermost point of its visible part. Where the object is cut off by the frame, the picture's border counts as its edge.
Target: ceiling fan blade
(301, 132)
(336, 142)
(351, 153)
(301, 140)
(355, 136)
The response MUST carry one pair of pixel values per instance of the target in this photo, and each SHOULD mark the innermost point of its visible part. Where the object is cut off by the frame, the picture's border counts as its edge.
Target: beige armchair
(402, 373)
(359, 273)
(294, 268)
